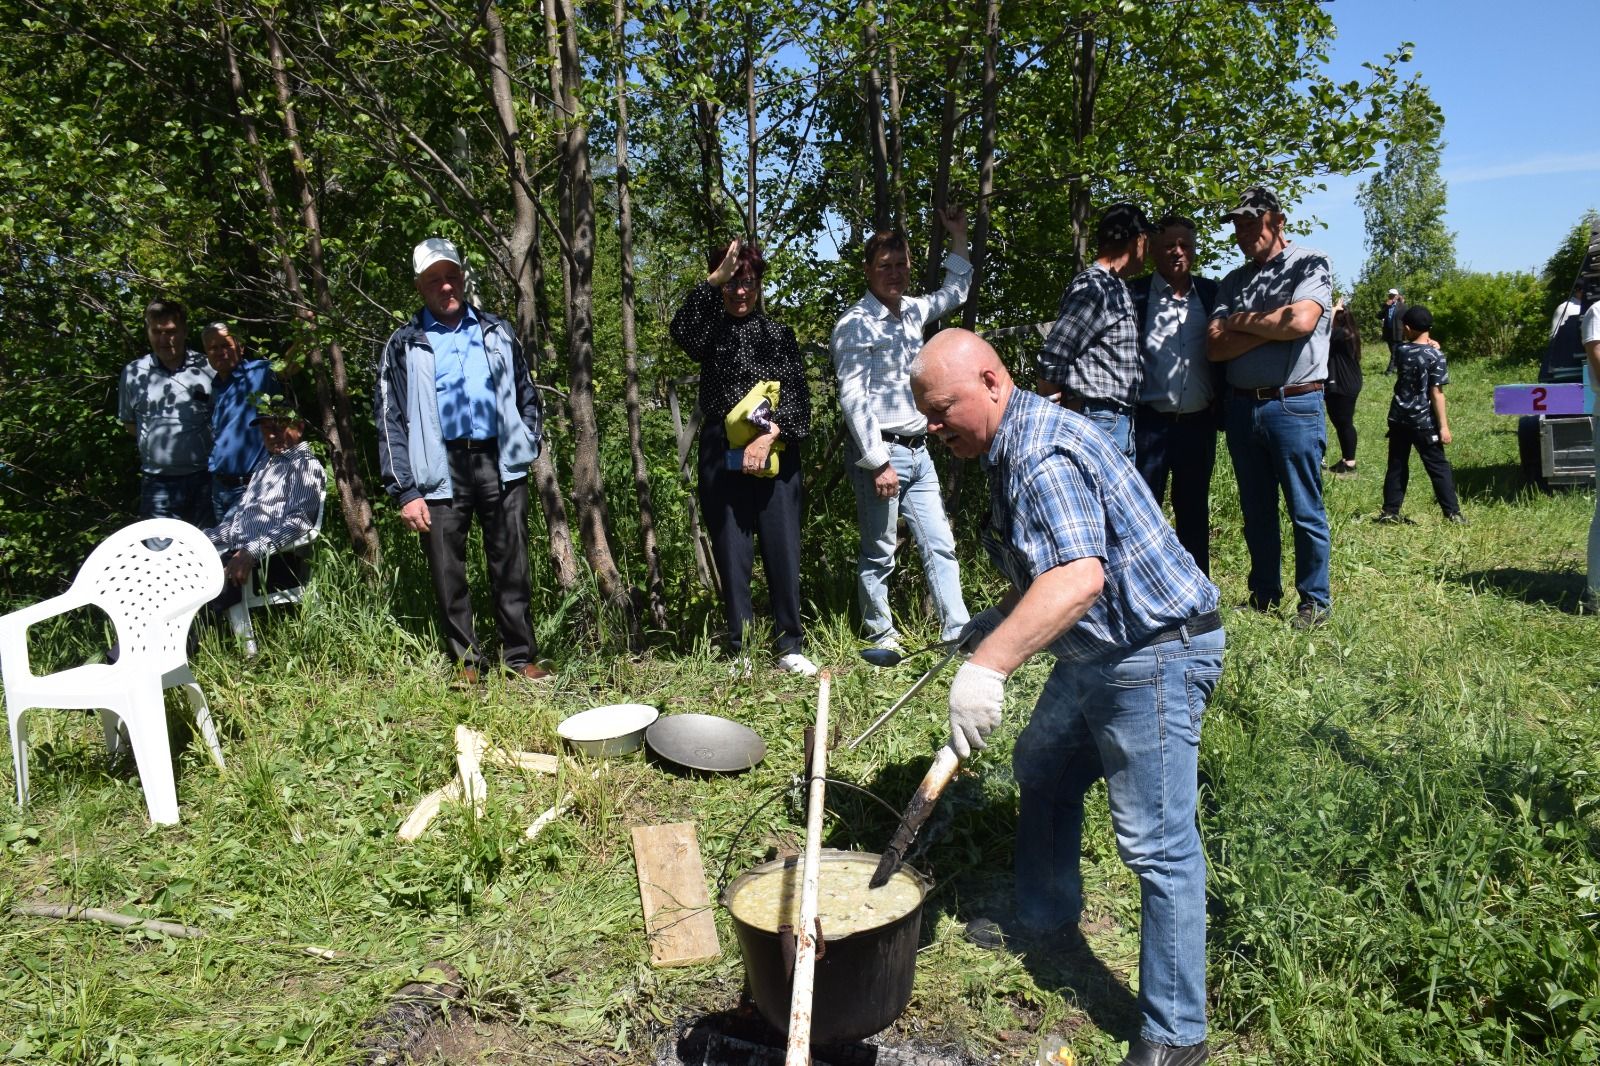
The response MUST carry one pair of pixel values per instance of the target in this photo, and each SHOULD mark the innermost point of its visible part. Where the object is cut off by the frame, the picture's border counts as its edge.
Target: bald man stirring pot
(1100, 581)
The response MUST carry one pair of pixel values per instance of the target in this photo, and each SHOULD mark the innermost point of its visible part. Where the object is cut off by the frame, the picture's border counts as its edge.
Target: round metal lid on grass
(706, 742)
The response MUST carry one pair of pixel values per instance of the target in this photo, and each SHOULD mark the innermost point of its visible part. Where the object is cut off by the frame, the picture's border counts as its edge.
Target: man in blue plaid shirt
(1098, 579)
(1091, 361)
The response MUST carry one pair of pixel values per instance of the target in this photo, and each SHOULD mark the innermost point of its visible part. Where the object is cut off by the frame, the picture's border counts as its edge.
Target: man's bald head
(962, 388)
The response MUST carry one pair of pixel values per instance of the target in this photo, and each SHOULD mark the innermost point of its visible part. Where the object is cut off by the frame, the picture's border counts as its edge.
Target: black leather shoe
(1143, 1053)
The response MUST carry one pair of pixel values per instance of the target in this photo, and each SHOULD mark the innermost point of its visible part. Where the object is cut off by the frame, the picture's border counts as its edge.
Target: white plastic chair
(151, 595)
(239, 613)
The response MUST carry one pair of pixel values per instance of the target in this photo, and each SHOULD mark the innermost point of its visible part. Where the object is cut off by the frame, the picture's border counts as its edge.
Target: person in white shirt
(887, 456)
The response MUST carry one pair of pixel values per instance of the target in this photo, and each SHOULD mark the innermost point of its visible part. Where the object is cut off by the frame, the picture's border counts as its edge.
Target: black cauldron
(863, 981)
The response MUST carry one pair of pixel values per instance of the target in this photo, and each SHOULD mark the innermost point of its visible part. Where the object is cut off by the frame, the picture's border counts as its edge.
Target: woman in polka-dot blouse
(721, 327)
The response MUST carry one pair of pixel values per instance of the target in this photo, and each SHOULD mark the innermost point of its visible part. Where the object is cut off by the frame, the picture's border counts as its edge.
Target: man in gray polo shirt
(1270, 326)
(164, 399)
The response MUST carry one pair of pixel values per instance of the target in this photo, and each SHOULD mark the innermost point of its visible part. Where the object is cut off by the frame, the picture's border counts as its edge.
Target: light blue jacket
(411, 452)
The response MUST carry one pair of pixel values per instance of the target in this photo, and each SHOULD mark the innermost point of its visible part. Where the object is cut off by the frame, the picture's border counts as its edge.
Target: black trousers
(1401, 440)
(1342, 413)
(502, 513)
(1184, 448)
(737, 508)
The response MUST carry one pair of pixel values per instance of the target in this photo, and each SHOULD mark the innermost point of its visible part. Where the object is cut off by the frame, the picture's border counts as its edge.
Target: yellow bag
(741, 429)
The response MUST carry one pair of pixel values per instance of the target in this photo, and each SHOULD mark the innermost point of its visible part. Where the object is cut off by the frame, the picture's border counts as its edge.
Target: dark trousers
(1342, 413)
(1401, 440)
(1392, 346)
(183, 496)
(502, 513)
(285, 570)
(739, 507)
(1183, 447)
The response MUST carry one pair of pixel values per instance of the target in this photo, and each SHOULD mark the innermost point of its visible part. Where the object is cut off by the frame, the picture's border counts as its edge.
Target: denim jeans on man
(1114, 422)
(1133, 718)
(182, 496)
(1277, 445)
(923, 508)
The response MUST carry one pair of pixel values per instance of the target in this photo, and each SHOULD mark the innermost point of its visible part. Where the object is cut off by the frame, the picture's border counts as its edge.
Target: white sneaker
(740, 668)
(890, 643)
(795, 663)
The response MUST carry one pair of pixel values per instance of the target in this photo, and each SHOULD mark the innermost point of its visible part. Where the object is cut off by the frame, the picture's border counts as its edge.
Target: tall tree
(1404, 202)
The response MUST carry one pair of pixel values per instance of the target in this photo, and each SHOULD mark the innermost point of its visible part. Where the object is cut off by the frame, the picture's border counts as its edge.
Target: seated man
(279, 506)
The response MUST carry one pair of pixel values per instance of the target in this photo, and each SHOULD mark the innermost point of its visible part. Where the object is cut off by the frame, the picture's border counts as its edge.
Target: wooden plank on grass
(672, 887)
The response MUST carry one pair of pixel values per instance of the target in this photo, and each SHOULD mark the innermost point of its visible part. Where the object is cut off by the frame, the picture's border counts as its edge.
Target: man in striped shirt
(279, 507)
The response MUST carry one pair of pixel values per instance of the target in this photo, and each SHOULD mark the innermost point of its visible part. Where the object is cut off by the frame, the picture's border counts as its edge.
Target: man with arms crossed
(1175, 426)
(1100, 581)
(887, 454)
(1270, 326)
(458, 425)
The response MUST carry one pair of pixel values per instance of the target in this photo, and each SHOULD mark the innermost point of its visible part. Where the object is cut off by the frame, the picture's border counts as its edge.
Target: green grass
(1400, 812)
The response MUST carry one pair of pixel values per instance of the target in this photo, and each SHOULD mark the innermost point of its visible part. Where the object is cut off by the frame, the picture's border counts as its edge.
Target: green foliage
(1561, 269)
(1479, 315)
(1404, 203)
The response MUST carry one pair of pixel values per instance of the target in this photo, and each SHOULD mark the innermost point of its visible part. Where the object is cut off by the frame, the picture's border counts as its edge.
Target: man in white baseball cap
(458, 425)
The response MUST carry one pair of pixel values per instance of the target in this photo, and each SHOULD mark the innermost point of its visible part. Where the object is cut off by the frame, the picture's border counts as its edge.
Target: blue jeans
(1278, 445)
(182, 496)
(1114, 422)
(1594, 523)
(919, 501)
(1134, 719)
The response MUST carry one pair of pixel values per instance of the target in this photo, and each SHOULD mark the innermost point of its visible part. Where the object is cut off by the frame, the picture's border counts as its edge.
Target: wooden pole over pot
(805, 937)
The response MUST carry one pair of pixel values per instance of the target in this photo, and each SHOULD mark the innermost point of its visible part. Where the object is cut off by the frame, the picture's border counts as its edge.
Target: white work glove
(978, 627)
(977, 695)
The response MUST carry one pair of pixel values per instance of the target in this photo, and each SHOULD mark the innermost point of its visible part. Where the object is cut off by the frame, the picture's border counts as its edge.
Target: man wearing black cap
(279, 506)
(1270, 326)
(458, 426)
(1091, 359)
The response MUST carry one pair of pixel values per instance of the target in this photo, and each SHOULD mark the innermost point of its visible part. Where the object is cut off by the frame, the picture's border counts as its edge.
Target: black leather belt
(1277, 393)
(229, 481)
(1174, 416)
(913, 443)
(1200, 623)
(466, 444)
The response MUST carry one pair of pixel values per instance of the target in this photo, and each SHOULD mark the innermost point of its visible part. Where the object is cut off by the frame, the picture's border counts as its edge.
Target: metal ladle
(951, 646)
(894, 657)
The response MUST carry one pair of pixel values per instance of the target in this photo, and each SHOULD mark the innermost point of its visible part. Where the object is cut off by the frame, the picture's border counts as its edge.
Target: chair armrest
(14, 627)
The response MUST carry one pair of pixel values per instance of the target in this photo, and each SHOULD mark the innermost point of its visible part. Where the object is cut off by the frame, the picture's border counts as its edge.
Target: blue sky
(1519, 84)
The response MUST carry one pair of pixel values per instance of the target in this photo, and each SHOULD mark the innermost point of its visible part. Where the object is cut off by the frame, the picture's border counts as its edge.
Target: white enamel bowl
(612, 730)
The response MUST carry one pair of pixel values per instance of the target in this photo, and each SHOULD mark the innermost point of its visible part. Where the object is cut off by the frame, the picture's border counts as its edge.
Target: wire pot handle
(778, 792)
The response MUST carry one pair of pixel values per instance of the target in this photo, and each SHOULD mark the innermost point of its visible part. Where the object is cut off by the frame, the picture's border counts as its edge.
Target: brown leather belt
(1277, 393)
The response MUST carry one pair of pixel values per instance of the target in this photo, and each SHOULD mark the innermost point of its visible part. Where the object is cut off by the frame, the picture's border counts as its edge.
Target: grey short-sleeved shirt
(1294, 274)
(171, 410)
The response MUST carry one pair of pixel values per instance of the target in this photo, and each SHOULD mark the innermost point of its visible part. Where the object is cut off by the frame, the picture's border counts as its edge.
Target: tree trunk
(896, 145)
(708, 139)
(953, 62)
(630, 341)
(523, 258)
(1088, 79)
(588, 486)
(750, 123)
(327, 372)
(991, 94)
(877, 145)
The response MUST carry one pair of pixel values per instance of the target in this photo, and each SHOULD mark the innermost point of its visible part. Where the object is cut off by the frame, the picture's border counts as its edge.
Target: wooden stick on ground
(133, 921)
(805, 937)
(470, 745)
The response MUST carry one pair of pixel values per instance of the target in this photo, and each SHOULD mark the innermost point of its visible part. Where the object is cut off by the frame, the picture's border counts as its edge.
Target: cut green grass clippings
(1399, 810)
